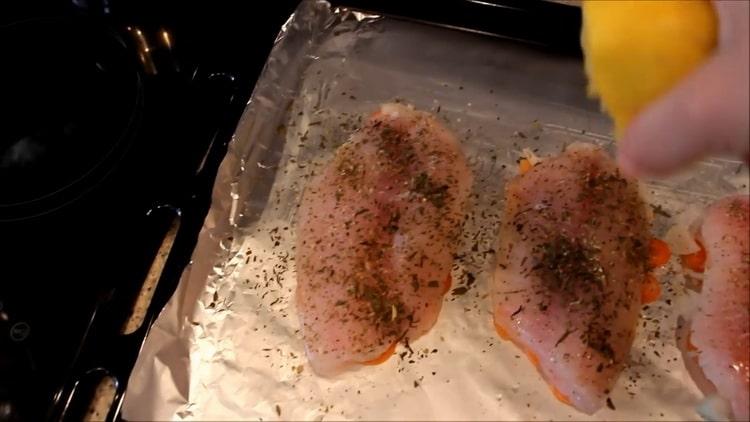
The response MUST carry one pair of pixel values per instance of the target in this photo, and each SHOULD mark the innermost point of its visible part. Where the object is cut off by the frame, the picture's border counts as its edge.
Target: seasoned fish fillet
(720, 328)
(375, 239)
(572, 259)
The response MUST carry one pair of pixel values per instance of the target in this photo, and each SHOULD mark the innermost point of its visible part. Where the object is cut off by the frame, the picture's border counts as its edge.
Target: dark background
(73, 268)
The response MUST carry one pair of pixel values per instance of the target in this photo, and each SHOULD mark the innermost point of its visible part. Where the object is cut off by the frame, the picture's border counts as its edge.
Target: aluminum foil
(227, 345)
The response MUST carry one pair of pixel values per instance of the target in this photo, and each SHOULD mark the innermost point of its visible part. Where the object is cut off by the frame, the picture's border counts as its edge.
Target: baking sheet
(227, 345)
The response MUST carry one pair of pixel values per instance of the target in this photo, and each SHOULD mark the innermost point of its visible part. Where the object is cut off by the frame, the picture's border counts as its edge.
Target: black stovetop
(116, 116)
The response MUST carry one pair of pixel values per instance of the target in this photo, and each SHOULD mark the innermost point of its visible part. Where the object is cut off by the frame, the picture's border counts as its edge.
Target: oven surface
(116, 114)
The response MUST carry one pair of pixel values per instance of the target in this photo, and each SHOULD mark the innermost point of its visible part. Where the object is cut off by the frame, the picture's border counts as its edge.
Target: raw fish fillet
(572, 259)
(376, 234)
(719, 340)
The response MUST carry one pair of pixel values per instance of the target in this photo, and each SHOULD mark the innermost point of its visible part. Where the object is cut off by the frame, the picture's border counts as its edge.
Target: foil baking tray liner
(227, 345)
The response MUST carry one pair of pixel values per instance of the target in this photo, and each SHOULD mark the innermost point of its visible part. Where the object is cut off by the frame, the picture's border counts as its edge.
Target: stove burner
(72, 95)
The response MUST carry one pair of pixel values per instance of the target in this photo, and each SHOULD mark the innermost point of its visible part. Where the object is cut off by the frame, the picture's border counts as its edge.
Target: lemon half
(636, 50)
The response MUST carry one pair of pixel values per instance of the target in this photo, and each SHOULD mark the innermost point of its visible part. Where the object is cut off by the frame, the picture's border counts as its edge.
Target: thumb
(706, 113)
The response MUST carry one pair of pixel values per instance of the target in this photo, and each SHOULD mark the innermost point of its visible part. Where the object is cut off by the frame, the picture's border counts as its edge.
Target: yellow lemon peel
(636, 50)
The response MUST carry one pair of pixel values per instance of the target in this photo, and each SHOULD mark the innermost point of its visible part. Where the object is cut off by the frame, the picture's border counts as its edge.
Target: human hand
(705, 114)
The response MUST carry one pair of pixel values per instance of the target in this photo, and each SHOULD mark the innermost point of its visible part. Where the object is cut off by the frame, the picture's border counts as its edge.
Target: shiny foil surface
(227, 346)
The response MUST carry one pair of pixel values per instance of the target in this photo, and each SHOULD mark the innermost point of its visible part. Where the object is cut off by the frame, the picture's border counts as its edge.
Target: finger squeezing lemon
(637, 50)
